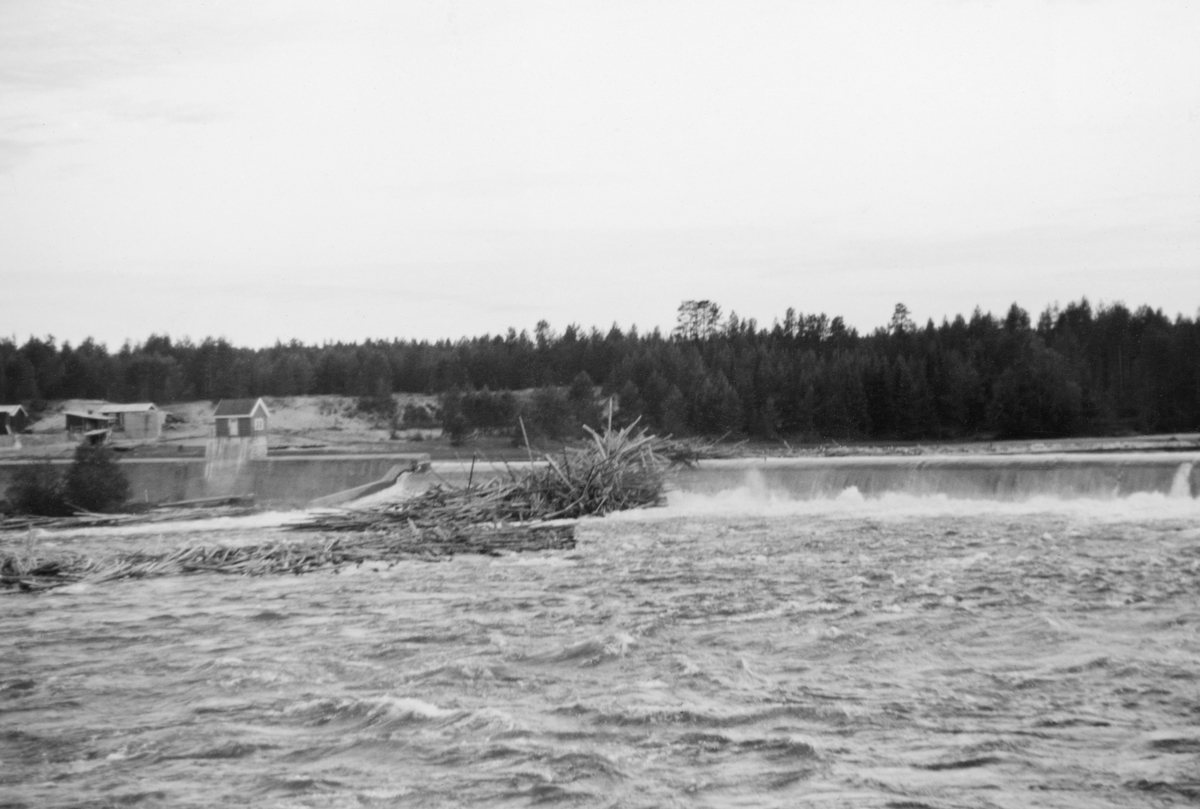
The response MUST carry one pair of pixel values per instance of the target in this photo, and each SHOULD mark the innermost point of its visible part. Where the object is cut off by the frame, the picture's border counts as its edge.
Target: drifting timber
(534, 512)
(31, 573)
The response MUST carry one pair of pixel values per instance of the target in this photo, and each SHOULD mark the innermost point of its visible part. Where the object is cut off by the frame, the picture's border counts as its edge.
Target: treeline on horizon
(1076, 371)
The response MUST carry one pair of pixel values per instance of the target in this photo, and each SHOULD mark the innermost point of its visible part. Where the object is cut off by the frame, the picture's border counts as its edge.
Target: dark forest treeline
(1075, 371)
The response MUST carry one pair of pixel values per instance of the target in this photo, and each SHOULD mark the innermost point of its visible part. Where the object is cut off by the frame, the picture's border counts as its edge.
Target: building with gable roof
(13, 419)
(134, 420)
(242, 418)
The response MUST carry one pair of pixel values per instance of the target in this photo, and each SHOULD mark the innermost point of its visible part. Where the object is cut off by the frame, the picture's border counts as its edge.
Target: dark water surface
(896, 655)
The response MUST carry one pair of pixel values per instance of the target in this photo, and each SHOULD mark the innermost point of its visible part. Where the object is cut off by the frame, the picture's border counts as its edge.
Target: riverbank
(333, 425)
(321, 445)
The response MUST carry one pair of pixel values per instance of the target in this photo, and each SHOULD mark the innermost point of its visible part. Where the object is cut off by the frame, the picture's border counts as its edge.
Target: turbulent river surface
(729, 650)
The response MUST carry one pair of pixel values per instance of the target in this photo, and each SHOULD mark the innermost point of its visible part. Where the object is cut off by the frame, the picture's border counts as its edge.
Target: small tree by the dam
(37, 489)
(95, 482)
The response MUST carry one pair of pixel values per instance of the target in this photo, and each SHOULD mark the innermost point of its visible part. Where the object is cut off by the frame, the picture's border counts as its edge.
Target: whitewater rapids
(743, 648)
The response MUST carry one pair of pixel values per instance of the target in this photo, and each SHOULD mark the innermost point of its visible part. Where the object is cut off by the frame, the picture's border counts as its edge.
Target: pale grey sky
(265, 170)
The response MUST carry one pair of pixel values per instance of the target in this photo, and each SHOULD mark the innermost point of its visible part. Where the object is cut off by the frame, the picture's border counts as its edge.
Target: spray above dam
(975, 477)
(1101, 476)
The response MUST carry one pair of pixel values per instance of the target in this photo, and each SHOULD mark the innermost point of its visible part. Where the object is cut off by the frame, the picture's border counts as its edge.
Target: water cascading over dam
(226, 465)
(1099, 476)
(977, 477)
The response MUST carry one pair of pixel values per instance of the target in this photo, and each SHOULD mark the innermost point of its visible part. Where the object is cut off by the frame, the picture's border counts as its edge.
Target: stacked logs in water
(617, 470)
(614, 471)
(156, 514)
(31, 573)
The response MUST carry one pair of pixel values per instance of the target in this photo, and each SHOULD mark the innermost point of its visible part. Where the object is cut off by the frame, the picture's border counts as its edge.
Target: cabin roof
(235, 408)
(13, 410)
(133, 407)
(83, 415)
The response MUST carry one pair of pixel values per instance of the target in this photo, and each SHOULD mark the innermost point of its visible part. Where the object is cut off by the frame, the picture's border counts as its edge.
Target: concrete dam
(285, 481)
(967, 477)
(295, 480)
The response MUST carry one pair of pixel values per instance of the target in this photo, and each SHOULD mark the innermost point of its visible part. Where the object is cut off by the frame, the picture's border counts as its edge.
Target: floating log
(208, 502)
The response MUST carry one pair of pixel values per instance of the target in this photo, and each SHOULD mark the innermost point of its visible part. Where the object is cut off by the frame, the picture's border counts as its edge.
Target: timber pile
(32, 573)
(28, 572)
(617, 470)
(158, 514)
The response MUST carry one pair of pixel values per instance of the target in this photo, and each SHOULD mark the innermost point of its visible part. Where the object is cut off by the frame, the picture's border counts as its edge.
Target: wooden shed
(13, 419)
(135, 420)
(80, 422)
(242, 418)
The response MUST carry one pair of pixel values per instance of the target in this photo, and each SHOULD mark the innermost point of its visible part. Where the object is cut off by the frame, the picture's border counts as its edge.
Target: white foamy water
(756, 499)
(1131, 486)
(748, 648)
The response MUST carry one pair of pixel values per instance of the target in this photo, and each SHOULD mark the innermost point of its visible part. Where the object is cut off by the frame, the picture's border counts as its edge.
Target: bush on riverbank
(37, 489)
(93, 482)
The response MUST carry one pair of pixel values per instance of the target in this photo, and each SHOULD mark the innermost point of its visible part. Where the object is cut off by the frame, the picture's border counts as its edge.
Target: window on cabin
(260, 424)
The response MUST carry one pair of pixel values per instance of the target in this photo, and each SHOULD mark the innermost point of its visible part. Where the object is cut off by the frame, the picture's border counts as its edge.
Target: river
(732, 649)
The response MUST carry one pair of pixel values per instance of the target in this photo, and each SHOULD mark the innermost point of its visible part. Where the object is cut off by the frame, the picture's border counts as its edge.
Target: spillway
(974, 477)
(1071, 476)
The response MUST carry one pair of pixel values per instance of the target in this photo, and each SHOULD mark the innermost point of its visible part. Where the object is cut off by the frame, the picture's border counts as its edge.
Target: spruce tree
(95, 482)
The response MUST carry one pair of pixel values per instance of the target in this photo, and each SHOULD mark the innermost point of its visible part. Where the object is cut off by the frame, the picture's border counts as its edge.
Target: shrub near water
(37, 489)
(95, 482)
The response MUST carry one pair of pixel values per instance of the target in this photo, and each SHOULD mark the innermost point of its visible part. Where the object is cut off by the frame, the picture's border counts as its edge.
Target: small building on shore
(95, 427)
(135, 420)
(242, 418)
(13, 419)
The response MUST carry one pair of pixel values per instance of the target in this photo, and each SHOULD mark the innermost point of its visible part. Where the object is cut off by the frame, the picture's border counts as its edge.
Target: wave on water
(366, 712)
(592, 651)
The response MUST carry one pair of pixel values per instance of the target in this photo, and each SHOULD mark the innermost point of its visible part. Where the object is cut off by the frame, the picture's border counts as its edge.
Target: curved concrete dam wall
(283, 481)
(989, 477)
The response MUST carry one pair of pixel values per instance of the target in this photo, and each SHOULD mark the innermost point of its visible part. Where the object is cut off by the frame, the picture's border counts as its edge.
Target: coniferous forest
(1075, 371)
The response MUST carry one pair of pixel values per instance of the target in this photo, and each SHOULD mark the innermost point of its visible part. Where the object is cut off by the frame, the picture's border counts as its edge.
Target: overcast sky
(278, 170)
